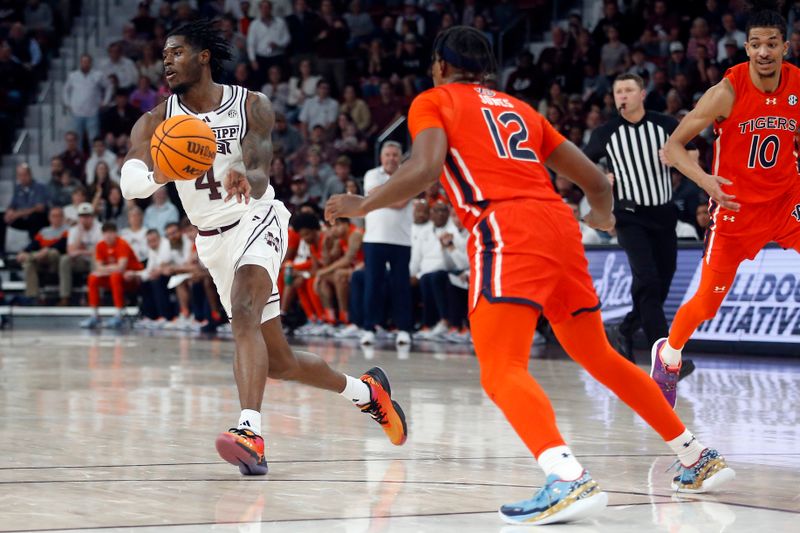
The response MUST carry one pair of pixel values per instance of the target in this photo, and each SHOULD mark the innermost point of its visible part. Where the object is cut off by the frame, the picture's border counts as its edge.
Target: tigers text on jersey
(756, 146)
(203, 198)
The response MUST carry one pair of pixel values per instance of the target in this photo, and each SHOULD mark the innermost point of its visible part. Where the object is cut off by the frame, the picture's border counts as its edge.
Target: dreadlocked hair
(468, 50)
(204, 34)
(766, 14)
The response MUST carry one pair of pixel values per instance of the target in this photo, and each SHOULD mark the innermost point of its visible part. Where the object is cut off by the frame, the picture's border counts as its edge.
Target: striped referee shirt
(631, 150)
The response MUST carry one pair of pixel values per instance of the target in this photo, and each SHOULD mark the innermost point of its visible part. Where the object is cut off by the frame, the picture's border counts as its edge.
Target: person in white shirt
(267, 39)
(457, 264)
(387, 239)
(428, 265)
(421, 218)
(322, 110)
(81, 241)
(156, 306)
(161, 212)
(588, 235)
(120, 66)
(136, 234)
(84, 93)
(101, 153)
(732, 33)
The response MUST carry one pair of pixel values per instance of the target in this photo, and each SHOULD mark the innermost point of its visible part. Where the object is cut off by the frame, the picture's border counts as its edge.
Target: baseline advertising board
(762, 305)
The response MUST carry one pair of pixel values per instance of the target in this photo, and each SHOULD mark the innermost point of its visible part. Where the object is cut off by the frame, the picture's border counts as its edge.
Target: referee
(646, 216)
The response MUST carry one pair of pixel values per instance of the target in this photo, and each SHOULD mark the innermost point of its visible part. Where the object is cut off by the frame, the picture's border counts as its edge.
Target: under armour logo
(719, 290)
(772, 101)
(726, 218)
(796, 212)
(687, 444)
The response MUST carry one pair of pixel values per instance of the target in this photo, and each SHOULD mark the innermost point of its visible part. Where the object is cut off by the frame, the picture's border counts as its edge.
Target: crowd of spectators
(338, 74)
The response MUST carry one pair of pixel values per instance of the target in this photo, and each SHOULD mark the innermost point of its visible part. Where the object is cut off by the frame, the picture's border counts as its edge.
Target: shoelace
(374, 410)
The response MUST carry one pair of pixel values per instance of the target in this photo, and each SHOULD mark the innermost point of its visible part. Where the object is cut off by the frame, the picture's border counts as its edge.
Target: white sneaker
(439, 329)
(367, 338)
(403, 337)
(348, 332)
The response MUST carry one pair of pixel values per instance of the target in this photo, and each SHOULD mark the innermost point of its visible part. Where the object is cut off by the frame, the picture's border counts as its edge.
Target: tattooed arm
(256, 152)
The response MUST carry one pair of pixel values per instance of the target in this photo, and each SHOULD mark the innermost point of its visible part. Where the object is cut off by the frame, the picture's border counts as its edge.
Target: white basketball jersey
(203, 198)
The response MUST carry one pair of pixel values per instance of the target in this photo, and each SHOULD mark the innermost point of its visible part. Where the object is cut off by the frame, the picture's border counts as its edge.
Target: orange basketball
(183, 147)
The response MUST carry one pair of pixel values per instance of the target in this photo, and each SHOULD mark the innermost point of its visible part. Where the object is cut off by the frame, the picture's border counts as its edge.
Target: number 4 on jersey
(512, 146)
(211, 184)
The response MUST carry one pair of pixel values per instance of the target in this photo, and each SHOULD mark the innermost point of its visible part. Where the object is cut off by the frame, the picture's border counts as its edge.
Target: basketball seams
(161, 135)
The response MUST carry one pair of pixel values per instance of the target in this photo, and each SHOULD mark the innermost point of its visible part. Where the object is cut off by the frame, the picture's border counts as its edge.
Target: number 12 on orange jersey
(518, 135)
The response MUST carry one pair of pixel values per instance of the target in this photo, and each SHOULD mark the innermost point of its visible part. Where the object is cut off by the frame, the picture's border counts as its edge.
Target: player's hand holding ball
(183, 148)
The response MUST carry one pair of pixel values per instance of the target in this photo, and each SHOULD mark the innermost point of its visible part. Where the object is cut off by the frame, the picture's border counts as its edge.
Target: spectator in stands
(150, 66)
(81, 241)
(588, 235)
(85, 92)
(457, 264)
(377, 68)
(732, 33)
(73, 157)
(317, 141)
(317, 172)
(385, 109)
(642, 67)
(144, 98)
(114, 208)
(113, 258)
(180, 269)
(333, 279)
(286, 140)
(79, 196)
(143, 23)
(24, 49)
(387, 240)
(38, 16)
(280, 179)
(56, 168)
(411, 19)
(359, 23)
(61, 189)
(321, 110)
(614, 56)
(336, 184)
(101, 154)
(678, 63)
(120, 66)
(411, 65)
(612, 18)
(520, 83)
(303, 86)
(119, 118)
(28, 208)
(300, 194)
(421, 219)
(134, 231)
(330, 45)
(703, 217)
(43, 252)
(656, 99)
(302, 24)
(356, 108)
(558, 52)
(349, 141)
(429, 267)
(700, 37)
(156, 307)
(267, 39)
(276, 90)
(160, 212)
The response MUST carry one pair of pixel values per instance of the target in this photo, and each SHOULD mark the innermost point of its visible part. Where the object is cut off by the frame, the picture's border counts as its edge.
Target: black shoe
(621, 342)
(687, 367)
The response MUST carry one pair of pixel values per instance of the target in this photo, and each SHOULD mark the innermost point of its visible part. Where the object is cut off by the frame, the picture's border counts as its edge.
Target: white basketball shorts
(259, 239)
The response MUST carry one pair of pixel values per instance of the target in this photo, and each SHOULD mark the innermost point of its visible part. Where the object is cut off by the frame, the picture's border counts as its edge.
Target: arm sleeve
(425, 112)
(595, 149)
(137, 180)
(283, 37)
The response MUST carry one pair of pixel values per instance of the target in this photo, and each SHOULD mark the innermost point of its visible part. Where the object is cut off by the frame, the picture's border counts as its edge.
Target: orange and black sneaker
(382, 408)
(243, 448)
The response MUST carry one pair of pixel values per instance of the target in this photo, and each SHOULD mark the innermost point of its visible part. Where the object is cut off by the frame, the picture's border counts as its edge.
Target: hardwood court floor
(116, 433)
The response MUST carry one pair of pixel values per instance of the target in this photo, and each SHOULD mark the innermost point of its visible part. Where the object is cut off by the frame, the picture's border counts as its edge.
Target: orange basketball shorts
(530, 252)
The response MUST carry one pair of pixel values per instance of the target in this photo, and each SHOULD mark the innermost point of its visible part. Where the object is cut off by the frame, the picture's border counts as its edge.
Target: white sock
(561, 462)
(251, 420)
(687, 448)
(671, 356)
(356, 391)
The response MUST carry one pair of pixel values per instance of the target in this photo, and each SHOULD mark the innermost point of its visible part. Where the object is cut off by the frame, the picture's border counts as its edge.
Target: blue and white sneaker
(707, 474)
(93, 322)
(558, 501)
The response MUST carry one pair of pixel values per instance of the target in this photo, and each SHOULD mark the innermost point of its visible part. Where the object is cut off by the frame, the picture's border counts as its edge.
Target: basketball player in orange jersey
(526, 258)
(242, 242)
(754, 185)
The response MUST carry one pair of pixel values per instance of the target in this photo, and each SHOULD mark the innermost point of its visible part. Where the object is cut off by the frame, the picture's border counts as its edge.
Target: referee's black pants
(647, 234)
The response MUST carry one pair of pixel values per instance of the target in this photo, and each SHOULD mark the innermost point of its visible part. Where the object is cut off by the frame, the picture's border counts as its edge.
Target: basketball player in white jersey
(242, 238)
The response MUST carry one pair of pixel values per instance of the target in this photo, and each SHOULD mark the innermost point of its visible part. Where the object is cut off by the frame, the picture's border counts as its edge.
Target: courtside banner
(763, 303)
(612, 278)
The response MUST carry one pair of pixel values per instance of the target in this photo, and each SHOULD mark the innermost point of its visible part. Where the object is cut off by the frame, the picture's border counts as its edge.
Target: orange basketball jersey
(756, 146)
(497, 146)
